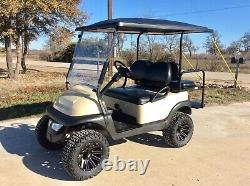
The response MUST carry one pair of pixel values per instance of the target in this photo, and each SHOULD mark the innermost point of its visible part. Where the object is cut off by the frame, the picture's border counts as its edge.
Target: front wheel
(83, 154)
(180, 130)
(41, 132)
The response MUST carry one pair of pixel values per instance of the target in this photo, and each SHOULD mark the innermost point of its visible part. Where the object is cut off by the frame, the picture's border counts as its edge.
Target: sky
(231, 18)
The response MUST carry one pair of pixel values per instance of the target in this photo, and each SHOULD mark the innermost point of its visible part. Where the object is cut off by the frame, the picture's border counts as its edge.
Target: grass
(222, 95)
(28, 102)
(34, 101)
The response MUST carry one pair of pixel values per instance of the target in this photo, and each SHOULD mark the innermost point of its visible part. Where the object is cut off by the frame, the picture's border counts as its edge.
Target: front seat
(149, 79)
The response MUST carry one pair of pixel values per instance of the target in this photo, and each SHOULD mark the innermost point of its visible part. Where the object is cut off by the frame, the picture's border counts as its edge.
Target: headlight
(55, 126)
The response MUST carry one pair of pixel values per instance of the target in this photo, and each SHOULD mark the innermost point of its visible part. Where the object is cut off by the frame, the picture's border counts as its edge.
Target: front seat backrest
(139, 69)
(146, 73)
(175, 71)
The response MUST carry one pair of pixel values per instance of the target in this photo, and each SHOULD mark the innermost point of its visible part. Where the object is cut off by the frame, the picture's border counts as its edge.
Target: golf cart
(92, 110)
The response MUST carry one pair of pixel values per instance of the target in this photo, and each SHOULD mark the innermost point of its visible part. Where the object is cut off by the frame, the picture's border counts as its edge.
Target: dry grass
(30, 81)
(215, 65)
(29, 94)
(222, 95)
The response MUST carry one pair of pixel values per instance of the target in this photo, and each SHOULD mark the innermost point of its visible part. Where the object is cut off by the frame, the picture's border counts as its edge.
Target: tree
(121, 40)
(150, 43)
(26, 17)
(233, 48)
(245, 41)
(188, 45)
(172, 43)
(26, 38)
(59, 40)
(8, 11)
(208, 45)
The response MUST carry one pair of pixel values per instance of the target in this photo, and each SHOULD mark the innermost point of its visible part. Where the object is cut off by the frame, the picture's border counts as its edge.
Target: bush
(44, 55)
(129, 57)
(68, 53)
(60, 56)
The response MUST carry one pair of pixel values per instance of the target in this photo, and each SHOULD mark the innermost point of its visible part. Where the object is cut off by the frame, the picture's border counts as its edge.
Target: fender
(184, 106)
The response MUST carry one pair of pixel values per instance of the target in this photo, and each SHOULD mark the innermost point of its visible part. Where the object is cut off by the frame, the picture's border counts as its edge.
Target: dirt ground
(218, 154)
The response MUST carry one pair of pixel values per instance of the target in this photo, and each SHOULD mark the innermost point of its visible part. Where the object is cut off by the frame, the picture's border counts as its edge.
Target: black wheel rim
(183, 131)
(90, 156)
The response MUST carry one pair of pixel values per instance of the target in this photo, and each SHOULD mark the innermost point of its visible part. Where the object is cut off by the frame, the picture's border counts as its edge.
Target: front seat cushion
(132, 94)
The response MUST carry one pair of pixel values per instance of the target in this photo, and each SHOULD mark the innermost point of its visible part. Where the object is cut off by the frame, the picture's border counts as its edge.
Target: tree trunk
(190, 52)
(24, 52)
(7, 42)
(18, 58)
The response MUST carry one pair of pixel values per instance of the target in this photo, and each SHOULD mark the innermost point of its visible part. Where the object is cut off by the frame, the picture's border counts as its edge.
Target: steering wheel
(122, 68)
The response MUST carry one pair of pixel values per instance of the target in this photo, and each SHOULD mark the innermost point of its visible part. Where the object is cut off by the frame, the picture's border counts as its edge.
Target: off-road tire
(81, 141)
(41, 130)
(171, 133)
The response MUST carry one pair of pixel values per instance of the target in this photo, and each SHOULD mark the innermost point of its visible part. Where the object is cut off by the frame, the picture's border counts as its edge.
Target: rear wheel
(180, 130)
(41, 131)
(83, 154)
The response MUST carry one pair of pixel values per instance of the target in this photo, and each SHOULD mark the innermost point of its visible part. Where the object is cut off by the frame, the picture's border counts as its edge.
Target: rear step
(197, 104)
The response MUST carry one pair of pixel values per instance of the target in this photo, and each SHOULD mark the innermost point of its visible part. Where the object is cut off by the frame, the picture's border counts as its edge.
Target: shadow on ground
(23, 110)
(19, 139)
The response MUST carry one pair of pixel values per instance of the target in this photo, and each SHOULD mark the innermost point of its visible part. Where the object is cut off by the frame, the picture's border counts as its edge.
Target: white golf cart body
(150, 101)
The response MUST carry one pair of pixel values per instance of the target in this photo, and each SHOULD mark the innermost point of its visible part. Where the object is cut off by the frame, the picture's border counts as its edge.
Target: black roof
(143, 25)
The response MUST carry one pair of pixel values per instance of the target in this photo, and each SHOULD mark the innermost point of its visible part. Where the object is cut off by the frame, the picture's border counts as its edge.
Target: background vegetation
(22, 21)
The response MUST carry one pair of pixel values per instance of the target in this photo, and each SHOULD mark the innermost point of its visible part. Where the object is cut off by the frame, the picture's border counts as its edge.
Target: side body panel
(148, 112)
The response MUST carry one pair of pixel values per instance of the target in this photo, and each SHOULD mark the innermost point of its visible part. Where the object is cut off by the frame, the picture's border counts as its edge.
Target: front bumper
(69, 121)
(55, 134)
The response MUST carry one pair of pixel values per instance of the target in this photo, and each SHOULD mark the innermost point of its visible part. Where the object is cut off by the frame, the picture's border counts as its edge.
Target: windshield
(90, 54)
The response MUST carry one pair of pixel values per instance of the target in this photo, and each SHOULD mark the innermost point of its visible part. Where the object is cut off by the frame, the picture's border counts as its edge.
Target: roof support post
(180, 60)
(110, 12)
(138, 46)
